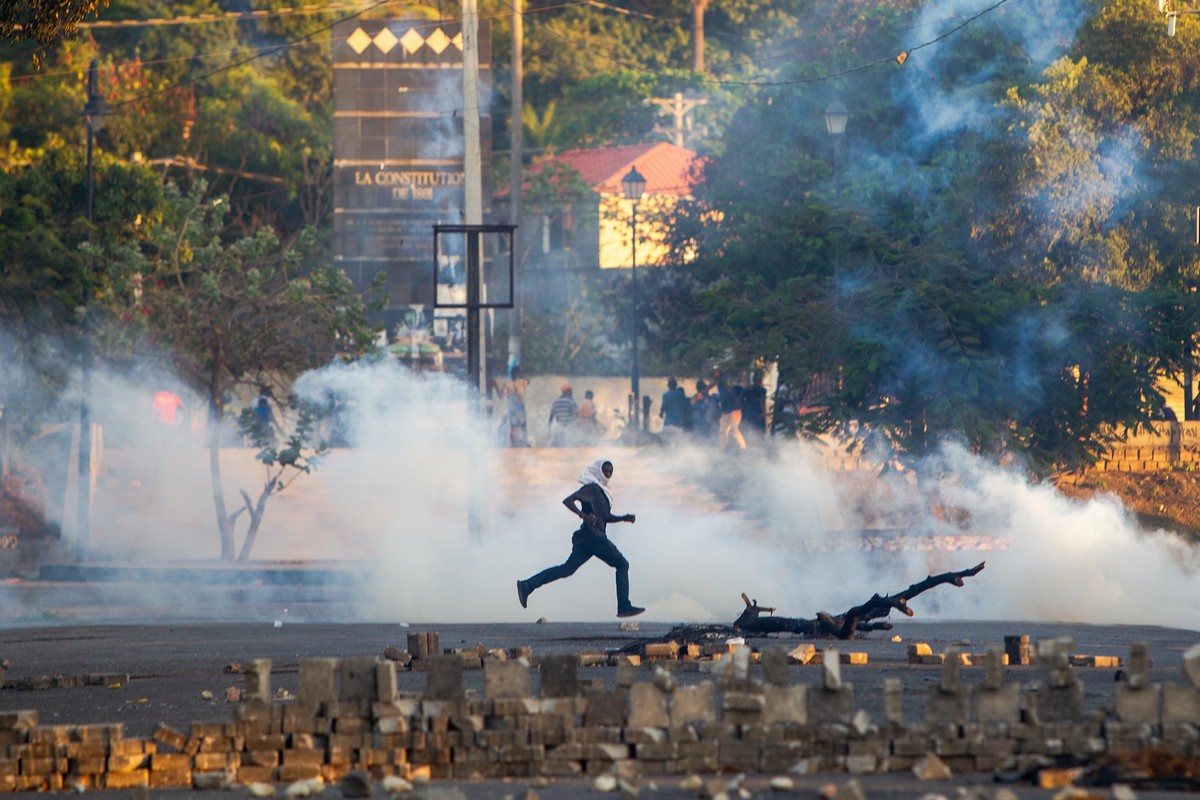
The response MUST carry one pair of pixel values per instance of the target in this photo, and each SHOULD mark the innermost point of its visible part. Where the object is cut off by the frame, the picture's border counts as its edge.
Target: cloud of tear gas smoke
(969, 104)
(797, 546)
(394, 504)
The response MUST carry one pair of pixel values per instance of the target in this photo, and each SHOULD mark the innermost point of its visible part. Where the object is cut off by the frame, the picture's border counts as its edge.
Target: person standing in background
(564, 416)
(754, 405)
(731, 414)
(674, 410)
(513, 391)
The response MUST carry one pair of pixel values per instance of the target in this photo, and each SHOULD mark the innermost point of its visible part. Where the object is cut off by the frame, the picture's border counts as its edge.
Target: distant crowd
(718, 411)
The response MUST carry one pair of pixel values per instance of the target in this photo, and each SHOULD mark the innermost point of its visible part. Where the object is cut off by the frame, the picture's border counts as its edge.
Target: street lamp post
(836, 116)
(94, 112)
(633, 185)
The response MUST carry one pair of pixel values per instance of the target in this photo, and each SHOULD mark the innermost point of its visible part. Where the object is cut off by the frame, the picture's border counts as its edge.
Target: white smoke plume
(393, 506)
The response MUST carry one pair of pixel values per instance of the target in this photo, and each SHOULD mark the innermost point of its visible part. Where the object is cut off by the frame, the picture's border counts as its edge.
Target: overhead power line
(234, 16)
(255, 57)
(899, 58)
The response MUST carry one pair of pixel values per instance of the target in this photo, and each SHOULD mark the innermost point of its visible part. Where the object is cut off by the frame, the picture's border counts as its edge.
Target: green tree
(49, 287)
(232, 312)
(45, 22)
(920, 297)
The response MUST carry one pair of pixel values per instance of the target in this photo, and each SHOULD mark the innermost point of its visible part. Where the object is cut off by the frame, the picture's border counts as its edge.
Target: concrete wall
(1166, 445)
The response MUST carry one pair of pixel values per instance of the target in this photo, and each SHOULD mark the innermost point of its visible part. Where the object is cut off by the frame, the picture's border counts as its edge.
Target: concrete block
(826, 706)
(18, 720)
(356, 679)
(606, 708)
(831, 672)
(401, 657)
(740, 663)
(1061, 703)
(647, 706)
(739, 756)
(951, 669)
(916, 650)
(505, 680)
(785, 704)
(444, 679)
(893, 701)
(1181, 704)
(127, 780)
(752, 702)
(257, 684)
(1141, 705)
(1137, 673)
(775, 667)
(947, 708)
(1001, 704)
(626, 674)
(1191, 665)
(559, 675)
(387, 688)
(931, 768)
(423, 644)
(802, 654)
(662, 650)
(693, 704)
(1100, 662)
(853, 658)
(993, 677)
(318, 681)
(862, 764)
(164, 734)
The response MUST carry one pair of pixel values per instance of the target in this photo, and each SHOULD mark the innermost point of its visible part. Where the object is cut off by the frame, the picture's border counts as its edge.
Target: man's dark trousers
(584, 545)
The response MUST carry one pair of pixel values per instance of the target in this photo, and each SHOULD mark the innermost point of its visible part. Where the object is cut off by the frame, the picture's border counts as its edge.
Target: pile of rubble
(349, 717)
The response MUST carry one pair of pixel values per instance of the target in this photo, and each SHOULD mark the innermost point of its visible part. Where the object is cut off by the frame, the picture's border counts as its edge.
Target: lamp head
(836, 116)
(633, 185)
(96, 108)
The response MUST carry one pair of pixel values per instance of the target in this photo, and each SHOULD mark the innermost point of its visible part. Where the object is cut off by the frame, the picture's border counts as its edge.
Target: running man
(592, 503)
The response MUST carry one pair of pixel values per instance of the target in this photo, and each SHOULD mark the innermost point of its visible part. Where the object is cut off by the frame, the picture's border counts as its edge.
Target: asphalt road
(170, 666)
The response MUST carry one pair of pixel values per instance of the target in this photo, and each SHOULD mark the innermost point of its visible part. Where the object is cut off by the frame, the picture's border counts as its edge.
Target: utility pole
(698, 7)
(473, 182)
(94, 112)
(678, 108)
(514, 192)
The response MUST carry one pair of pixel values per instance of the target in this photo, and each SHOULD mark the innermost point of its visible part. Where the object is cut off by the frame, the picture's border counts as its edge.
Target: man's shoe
(629, 611)
(522, 593)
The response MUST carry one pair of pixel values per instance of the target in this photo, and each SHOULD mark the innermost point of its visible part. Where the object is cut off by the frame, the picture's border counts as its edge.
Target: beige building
(576, 217)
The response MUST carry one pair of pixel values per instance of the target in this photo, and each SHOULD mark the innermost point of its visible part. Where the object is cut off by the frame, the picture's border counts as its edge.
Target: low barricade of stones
(349, 715)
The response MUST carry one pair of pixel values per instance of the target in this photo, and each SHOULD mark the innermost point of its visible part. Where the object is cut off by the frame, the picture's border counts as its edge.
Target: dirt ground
(1168, 499)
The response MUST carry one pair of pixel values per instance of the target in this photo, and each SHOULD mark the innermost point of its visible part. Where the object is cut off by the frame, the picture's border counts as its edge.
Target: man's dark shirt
(728, 398)
(754, 407)
(594, 501)
(674, 407)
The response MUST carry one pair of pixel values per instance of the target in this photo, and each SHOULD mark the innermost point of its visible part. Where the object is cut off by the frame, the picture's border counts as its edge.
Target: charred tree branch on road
(865, 617)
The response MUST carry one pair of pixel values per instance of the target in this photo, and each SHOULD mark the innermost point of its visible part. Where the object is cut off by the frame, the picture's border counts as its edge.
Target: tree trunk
(224, 524)
(256, 512)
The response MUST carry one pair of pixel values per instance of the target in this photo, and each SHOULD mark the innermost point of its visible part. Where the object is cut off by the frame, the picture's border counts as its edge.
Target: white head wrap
(594, 473)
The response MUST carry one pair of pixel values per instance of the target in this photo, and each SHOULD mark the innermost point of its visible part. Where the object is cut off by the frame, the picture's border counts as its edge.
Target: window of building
(558, 231)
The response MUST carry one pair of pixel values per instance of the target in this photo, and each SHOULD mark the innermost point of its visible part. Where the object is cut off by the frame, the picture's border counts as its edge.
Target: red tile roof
(667, 168)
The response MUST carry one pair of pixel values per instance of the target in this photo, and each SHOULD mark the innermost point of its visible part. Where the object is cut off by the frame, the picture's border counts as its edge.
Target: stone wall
(1167, 445)
(349, 716)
